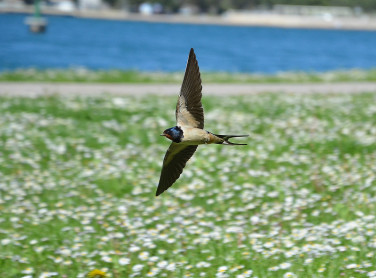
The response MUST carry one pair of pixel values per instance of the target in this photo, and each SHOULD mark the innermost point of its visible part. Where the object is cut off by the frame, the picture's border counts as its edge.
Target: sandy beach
(234, 18)
(74, 89)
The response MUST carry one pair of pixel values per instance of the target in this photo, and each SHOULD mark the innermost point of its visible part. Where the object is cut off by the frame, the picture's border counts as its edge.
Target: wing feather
(174, 162)
(189, 110)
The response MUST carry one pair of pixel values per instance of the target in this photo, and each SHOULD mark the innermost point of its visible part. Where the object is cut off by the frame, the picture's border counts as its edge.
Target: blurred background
(260, 36)
(80, 160)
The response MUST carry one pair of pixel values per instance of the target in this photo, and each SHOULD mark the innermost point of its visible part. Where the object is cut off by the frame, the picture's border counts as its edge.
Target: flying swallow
(188, 132)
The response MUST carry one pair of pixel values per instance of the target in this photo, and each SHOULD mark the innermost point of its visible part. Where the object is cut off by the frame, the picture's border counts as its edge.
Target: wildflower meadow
(78, 177)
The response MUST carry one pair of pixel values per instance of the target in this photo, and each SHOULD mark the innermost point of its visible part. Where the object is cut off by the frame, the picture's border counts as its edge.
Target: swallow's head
(175, 134)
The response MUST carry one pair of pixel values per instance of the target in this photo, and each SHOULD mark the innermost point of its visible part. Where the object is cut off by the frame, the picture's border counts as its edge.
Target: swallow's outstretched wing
(174, 161)
(189, 111)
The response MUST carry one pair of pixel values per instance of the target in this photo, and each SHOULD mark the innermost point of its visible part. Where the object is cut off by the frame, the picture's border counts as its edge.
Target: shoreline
(364, 22)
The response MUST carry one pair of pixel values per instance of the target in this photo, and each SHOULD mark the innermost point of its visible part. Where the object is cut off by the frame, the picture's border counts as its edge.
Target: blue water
(106, 44)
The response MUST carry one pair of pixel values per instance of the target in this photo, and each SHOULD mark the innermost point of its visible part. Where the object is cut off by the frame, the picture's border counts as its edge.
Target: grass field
(82, 75)
(78, 178)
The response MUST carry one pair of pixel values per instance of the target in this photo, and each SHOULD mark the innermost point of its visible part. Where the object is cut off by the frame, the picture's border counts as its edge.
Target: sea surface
(110, 44)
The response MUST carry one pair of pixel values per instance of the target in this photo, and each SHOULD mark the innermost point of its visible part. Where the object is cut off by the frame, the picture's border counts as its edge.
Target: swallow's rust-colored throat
(168, 136)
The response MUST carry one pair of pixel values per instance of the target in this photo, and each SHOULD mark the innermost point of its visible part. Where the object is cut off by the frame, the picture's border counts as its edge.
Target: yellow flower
(96, 273)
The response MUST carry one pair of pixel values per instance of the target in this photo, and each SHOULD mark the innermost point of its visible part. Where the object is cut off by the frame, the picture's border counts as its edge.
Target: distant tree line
(219, 6)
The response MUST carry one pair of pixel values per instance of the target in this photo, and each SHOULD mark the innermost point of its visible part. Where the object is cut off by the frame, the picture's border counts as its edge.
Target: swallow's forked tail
(227, 142)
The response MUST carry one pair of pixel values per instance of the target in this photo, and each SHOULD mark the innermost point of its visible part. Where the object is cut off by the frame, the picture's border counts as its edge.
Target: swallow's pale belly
(197, 136)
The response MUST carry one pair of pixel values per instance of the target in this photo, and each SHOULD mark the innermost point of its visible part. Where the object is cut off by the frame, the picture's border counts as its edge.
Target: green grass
(78, 178)
(118, 76)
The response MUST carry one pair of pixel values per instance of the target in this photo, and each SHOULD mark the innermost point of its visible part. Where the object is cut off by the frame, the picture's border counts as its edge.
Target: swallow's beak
(163, 134)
